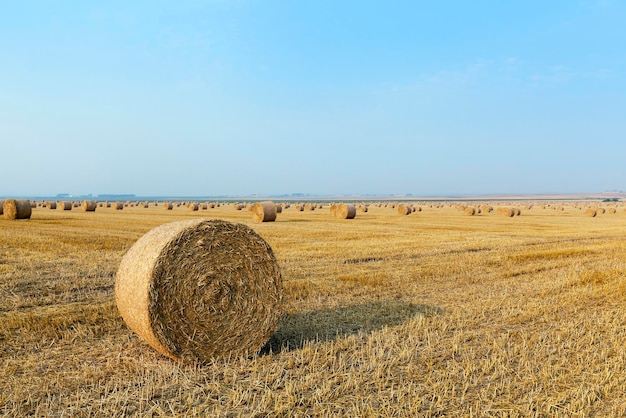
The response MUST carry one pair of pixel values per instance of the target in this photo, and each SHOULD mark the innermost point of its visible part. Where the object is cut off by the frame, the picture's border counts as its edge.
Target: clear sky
(238, 97)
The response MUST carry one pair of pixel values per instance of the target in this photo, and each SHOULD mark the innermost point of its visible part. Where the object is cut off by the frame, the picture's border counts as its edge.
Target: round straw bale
(601, 211)
(279, 208)
(200, 289)
(264, 212)
(346, 211)
(168, 205)
(51, 205)
(64, 205)
(505, 211)
(89, 205)
(1, 207)
(118, 205)
(363, 208)
(470, 211)
(310, 206)
(299, 208)
(16, 209)
(404, 210)
(517, 212)
(591, 213)
(612, 210)
(193, 207)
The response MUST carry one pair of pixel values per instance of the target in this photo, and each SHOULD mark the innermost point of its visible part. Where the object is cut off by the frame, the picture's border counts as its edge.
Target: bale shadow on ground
(296, 330)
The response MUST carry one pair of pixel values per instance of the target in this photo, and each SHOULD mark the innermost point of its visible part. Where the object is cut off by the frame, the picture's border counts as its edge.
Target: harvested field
(440, 314)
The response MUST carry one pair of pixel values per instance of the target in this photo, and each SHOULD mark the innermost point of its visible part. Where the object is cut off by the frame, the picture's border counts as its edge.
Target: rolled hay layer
(64, 205)
(264, 212)
(345, 211)
(200, 289)
(89, 205)
(16, 209)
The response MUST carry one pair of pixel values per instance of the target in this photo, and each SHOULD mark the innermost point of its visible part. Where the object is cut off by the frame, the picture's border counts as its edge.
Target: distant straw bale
(299, 207)
(470, 211)
(65, 205)
(118, 205)
(505, 211)
(517, 212)
(201, 289)
(279, 208)
(168, 205)
(404, 209)
(310, 206)
(89, 205)
(16, 209)
(591, 213)
(264, 212)
(51, 205)
(345, 211)
(193, 207)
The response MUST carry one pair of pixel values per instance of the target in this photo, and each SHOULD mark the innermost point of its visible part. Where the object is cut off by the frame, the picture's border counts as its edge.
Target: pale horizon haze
(199, 98)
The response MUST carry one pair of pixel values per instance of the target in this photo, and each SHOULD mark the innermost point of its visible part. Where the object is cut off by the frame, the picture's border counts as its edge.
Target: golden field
(432, 314)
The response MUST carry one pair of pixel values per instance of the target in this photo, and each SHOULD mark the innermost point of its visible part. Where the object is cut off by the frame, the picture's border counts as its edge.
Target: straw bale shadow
(296, 330)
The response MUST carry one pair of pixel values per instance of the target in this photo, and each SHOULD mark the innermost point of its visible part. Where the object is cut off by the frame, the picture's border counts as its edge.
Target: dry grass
(439, 314)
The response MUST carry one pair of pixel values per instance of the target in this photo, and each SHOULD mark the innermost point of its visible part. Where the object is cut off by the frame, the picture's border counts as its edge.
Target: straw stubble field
(436, 313)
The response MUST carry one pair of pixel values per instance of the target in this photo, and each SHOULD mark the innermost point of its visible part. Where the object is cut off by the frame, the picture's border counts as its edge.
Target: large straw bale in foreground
(264, 212)
(200, 289)
(16, 209)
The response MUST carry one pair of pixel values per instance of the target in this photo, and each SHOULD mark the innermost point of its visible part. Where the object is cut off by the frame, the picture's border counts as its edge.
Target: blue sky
(331, 97)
